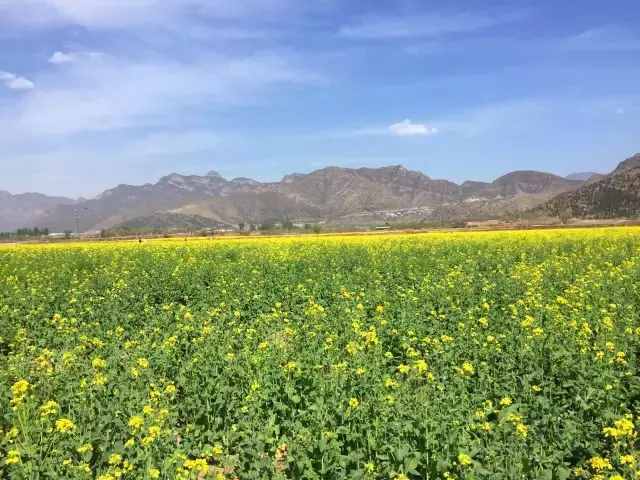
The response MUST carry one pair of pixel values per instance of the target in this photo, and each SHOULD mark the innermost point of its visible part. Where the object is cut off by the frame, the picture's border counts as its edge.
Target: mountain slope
(26, 209)
(615, 195)
(340, 191)
(584, 176)
(162, 221)
(629, 163)
(331, 194)
(532, 183)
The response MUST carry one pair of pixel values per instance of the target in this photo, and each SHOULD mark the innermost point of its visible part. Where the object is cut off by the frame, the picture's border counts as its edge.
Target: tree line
(26, 233)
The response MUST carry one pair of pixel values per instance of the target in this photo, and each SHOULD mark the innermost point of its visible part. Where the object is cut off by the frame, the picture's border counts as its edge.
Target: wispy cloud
(423, 26)
(109, 93)
(171, 143)
(61, 58)
(103, 14)
(171, 70)
(89, 13)
(15, 82)
(407, 128)
(497, 117)
(520, 117)
(404, 128)
(606, 38)
(137, 159)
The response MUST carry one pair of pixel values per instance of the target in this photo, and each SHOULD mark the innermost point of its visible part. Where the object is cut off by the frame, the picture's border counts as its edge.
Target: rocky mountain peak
(244, 181)
(631, 162)
(527, 176)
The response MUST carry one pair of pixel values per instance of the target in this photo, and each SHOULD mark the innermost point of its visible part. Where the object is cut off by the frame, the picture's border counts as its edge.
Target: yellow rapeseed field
(504, 355)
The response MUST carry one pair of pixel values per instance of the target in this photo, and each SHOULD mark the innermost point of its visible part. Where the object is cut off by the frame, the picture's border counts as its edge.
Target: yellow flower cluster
(467, 369)
(136, 422)
(622, 428)
(64, 425)
(49, 408)
(464, 459)
(13, 457)
(19, 391)
(600, 463)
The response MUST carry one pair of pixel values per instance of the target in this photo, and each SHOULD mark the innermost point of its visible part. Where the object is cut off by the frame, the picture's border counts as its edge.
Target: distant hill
(166, 221)
(584, 176)
(532, 183)
(26, 210)
(332, 194)
(614, 195)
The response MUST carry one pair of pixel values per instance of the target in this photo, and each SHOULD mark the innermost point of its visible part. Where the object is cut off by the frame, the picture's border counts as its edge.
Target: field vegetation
(509, 355)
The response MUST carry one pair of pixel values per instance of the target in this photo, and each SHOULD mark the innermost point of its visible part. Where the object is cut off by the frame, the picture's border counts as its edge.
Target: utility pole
(76, 212)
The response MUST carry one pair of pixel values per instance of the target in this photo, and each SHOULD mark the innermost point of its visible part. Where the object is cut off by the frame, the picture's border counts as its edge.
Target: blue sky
(94, 93)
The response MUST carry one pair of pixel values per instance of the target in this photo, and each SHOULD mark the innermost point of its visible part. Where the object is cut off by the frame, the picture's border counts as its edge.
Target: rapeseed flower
(421, 366)
(600, 463)
(136, 422)
(85, 448)
(13, 457)
(467, 369)
(64, 425)
(49, 408)
(622, 428)
(19, 391)
(627, 460)
(142, 363)
(198, 465)
(522, 430)
(98, 363)
(403, 368)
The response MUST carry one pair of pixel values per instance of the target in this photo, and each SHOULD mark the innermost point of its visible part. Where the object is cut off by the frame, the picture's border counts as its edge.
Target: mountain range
(26, 209)
(613, 195)
(333, 195)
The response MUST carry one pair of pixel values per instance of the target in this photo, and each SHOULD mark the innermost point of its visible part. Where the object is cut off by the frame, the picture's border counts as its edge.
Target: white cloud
(15, 82)
(89, 13)
(20, 83)
(104, 14)
(422, 26)
(109, 93)
(407, 128)
(60, 57)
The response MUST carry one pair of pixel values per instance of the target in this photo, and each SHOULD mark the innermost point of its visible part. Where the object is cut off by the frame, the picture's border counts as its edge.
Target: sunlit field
(509, 355)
